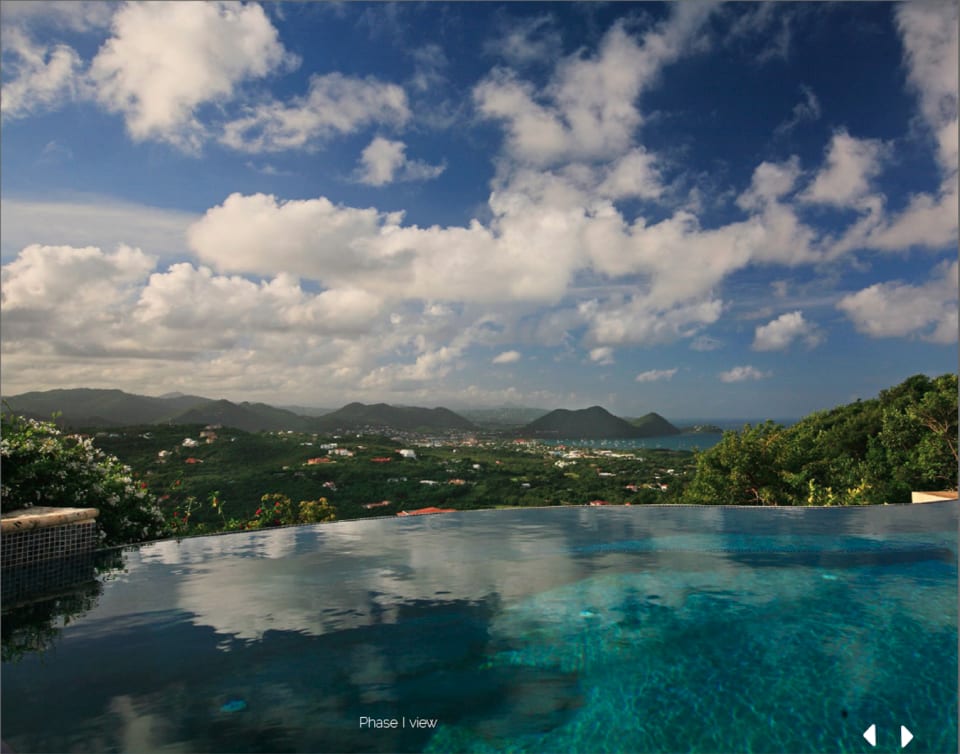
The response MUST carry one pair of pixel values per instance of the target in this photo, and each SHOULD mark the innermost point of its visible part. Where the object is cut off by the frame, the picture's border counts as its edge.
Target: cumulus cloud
(740, 374)
(633, 175)
(157, 87)
(507, 357)
(895, 309)
(930, 40)
(637, 321)
(65, 295)
(43, 76)
(602, 355)
(850, 166)
(781, 332)
(656, 375)
(335, 104)
(384, 161)
(588, 110)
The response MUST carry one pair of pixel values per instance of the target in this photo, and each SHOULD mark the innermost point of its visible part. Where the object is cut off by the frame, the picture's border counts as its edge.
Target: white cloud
(602, 355)
(633, 175)
(524, 41)
(930, 39)
(806, 110)
(165, 60)
(771, 23)
(927, 221)
(66, 295)
(851, 165)
(429, 64)
(507, 357)
(781, 332)
(92, 221)
(890, 310)
(705, 343)
(588, 109)
(770, 182)
(384, 161)
(44, 77)
(740, 374)
(80, 16)
(637, 321)
(656, 375)
(314, 238)
(335, 104)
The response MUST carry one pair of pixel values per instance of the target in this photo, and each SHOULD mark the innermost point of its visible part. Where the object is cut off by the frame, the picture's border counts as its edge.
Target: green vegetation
(204, 480)
(410, 418)
(220, 485)
(867, 452)
(43, 467)
(654, 425)
(596, 423)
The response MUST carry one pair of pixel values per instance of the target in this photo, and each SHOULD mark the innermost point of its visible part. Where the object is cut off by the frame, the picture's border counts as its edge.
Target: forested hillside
(871, 451)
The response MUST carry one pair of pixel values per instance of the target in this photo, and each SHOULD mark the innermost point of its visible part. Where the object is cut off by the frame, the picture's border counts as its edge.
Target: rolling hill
(409, 418)
(654, 425)
(593, 423)
(503, 417)
(91, 407)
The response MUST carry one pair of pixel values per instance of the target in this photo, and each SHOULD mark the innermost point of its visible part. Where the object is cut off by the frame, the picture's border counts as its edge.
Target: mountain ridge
(95, 407)
(595, 423)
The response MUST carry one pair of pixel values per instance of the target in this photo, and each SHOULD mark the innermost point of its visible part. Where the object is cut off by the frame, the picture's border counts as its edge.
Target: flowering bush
(42, 466)
(277, 509)
(316, 511)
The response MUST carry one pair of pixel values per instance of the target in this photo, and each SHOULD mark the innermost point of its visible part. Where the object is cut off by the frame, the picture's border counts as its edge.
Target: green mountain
(654, 425)
(503, 417)
(307, 410)
(250, 417)
(91, 407)
(595, 423)
(381, 415)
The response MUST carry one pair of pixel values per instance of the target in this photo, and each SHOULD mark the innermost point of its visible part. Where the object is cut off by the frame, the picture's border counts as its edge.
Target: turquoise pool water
(644, 629)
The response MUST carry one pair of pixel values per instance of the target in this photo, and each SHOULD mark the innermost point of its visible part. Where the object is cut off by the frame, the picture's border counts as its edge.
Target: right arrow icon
(905, 736)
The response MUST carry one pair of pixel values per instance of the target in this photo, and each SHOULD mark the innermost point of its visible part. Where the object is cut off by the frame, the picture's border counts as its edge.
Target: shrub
(44, 467)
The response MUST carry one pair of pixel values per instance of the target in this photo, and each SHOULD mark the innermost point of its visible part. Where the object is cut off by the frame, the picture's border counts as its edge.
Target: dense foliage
(867, 452)
(43, 467)
(220, 484)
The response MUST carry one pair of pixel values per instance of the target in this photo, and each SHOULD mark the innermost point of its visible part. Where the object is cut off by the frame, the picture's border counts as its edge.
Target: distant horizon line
(688, 421)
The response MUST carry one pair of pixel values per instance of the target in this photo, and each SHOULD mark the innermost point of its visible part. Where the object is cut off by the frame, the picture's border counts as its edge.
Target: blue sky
(700, 209)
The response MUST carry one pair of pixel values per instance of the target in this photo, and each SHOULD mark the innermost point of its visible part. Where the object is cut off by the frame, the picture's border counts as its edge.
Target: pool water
(643, 629)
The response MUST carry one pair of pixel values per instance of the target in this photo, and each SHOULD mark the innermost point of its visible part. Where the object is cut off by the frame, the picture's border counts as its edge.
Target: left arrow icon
(871, 735)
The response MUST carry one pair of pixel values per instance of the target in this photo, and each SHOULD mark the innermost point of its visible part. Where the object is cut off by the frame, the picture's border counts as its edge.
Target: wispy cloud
(656, 375)
(743, 373)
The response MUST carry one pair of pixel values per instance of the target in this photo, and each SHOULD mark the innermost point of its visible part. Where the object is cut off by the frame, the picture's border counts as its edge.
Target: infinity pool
(643, 629)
